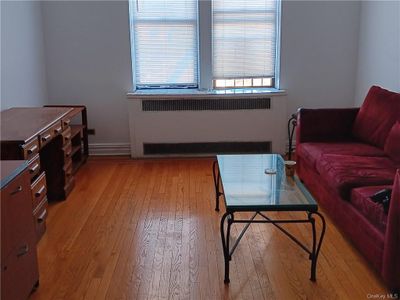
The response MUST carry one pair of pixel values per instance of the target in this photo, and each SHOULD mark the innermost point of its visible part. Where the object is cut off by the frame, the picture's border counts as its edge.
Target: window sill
(169, 93)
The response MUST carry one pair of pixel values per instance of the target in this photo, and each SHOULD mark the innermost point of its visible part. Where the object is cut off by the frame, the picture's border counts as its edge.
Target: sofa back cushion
(378, 113)
(392, 144)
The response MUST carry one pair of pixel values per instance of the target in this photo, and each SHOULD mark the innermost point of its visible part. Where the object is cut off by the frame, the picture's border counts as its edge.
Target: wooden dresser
(19, 267)
(42, 137)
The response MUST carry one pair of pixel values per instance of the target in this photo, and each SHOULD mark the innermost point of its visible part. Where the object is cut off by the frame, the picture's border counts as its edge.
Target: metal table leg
(217, 179)
(315, 248)
(225, 242)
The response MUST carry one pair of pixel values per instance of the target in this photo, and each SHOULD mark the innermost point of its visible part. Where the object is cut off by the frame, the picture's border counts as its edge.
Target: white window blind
(165, 42)
(244, 40)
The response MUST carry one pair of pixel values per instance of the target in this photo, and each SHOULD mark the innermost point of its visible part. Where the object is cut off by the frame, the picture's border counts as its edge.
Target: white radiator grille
(205, 104)
(206, 148)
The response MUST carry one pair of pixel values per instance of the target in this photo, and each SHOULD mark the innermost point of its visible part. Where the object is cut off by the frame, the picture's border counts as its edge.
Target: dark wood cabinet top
(11, 169)
(24, 123)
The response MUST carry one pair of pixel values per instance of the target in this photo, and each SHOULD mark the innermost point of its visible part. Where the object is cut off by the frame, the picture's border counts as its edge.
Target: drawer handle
(17, 190)
(32, 149)
(67, 137)
(58, 130)
(34, 168)
(42, 216)
(46, 137)
(66, 122)
(23, 250)
(68, 154)
(39, 192)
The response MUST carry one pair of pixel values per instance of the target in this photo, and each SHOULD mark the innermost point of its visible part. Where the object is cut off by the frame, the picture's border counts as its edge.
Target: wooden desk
(40, 135)
(19, 266)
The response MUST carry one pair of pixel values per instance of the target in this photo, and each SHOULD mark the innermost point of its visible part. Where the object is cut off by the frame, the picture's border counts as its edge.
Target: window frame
(205, 78)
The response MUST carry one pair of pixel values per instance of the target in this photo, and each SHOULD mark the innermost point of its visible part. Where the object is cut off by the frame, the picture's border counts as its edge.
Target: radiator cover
(179, 125)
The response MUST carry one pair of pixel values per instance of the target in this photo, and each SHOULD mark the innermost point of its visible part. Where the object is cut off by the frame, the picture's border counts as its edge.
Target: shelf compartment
(76, 129)
(75, 149)
(76, 165)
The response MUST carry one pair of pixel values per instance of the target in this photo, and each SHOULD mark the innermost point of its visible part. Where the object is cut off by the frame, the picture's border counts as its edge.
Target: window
(244, 43)
(164, 40)
(205, 43)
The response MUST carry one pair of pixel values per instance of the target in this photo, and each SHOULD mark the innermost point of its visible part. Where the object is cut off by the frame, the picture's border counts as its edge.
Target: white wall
(318, 53)
(88, 62)
(88, 58)
(23, 77)
(379, 47)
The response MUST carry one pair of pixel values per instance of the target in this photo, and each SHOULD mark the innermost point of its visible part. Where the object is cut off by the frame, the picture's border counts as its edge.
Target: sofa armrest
(391, 251)
(326, 124)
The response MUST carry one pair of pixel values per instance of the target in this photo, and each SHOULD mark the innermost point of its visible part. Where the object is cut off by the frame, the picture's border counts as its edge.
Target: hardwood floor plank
(123, 236)
(147, 229)
(122, 276)
(260, 268)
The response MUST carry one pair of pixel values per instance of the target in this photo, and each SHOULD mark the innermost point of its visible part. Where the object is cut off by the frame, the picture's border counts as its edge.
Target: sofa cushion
(345, 172)
(378, 113)
(392, 144)
(311, 152)
(373, 212)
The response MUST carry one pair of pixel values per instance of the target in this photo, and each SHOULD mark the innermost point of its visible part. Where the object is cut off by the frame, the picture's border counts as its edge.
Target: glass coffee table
(258, 183)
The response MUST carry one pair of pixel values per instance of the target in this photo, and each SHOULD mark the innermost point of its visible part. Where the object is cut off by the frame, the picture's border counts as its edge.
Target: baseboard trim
(112, 149)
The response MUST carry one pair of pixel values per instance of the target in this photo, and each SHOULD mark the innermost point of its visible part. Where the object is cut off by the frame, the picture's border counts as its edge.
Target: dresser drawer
(39, 190)
(34, 166)
(40, 216)
(53, 131)
(16, 213)
(66, 135)
(30, 149)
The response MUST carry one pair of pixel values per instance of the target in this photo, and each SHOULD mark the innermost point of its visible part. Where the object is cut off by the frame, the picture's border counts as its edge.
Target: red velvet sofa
(344, 156)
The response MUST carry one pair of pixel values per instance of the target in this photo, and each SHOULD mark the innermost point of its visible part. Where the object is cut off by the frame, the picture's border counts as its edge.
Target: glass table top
(258, 182)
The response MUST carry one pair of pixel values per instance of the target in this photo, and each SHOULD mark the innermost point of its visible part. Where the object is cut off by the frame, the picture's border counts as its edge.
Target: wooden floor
(148, 230)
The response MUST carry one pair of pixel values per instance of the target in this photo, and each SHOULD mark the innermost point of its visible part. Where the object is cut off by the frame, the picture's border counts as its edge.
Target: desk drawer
(57, 129)
(34, 166)
(39, 190)
(69, 186)
(65, 122)
(16, 213)
(19, 271)
(67, 151)
(30, 149)
(53, 131)
(68, 171)
(67, 162)
(40, 216)
(66, 135)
